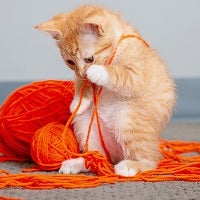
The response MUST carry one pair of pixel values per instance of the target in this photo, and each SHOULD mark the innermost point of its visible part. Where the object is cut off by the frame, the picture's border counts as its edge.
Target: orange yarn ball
(52, 144)
(28, 109)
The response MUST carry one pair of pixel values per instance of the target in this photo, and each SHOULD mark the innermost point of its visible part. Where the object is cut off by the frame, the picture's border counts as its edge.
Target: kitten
(138, 93)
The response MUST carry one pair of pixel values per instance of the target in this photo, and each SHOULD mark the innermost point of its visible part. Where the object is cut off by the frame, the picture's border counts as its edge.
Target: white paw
(97, 74)
(72, 166)
(83, 107)
(123, 169)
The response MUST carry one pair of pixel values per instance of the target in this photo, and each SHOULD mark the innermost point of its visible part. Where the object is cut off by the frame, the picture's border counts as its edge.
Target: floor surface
(188, 131)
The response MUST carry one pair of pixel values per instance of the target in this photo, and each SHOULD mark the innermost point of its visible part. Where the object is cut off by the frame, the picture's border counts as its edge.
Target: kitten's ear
(96, 29)
(51, 29)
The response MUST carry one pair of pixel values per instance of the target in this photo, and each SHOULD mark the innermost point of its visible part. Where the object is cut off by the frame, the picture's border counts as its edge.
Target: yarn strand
(168, 170)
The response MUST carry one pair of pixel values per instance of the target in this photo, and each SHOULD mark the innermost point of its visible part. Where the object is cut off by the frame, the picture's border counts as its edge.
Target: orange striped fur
(138, 93)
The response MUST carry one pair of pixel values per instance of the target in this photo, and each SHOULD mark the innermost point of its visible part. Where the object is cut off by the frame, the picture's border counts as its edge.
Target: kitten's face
(82, 41)
(79, 52)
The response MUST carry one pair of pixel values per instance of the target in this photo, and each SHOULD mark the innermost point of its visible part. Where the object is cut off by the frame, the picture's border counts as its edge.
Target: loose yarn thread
(173, 167)
(9, 198)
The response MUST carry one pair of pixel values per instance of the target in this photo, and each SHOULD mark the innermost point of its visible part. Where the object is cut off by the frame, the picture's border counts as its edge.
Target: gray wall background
(171, 27)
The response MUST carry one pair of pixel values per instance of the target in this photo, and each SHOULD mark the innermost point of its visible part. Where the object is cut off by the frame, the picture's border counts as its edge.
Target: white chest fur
(110, 111)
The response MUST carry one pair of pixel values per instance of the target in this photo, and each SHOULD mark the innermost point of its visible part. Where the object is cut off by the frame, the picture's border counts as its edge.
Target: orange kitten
(138, 93)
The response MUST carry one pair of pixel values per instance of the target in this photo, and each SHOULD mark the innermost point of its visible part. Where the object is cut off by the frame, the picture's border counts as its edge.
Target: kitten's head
(85, 36)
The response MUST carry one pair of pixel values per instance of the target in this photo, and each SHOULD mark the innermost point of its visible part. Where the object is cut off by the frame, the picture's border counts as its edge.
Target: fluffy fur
(138, 93)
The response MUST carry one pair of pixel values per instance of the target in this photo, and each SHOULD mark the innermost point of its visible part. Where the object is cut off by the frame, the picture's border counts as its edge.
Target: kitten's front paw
(97, 74)
(72, 166)
(124, 168)
(84, 105)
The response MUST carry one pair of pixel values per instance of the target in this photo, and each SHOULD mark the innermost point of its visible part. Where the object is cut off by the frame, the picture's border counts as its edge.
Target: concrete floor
(176, 130)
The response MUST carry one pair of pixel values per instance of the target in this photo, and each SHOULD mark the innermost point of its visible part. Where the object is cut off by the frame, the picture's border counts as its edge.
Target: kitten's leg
(131, 168)
(77, 165)
(97, 74)
(81, 123)
(86, 100)
(140, 143)
(83, 107)
(73, 166)
(119, 78)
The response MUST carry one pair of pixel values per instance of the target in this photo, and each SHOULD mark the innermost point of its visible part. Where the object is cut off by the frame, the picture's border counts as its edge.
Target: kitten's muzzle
(81, 71)
(81, 74)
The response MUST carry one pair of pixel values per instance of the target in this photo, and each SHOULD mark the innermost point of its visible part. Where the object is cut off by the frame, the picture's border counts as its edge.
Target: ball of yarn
(52, 144)
(28, 109)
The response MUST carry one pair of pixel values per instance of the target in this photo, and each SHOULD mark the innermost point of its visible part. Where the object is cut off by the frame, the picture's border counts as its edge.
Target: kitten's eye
(70, 62)
(89, 59)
